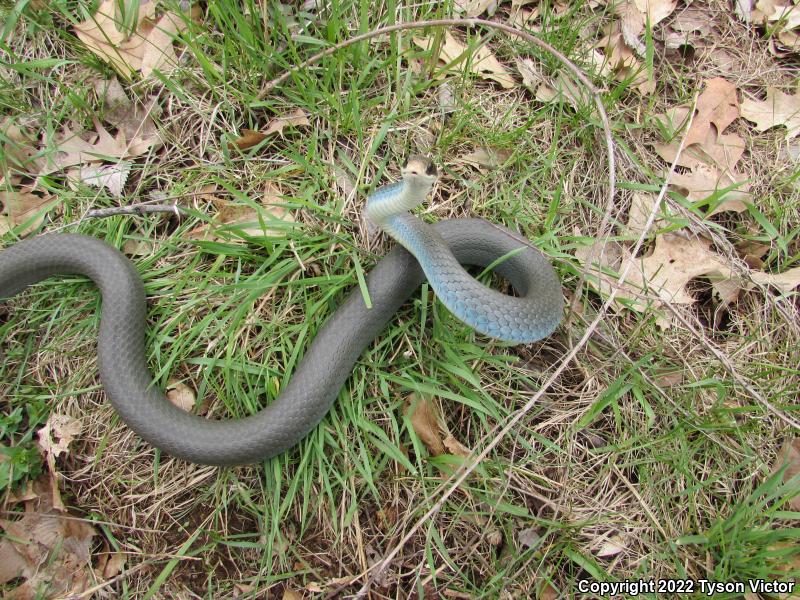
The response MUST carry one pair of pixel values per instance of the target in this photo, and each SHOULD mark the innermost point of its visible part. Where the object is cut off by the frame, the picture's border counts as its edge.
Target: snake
(436, 252)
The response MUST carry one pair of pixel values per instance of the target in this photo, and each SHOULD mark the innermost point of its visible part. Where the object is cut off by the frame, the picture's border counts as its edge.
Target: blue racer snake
(435, 252)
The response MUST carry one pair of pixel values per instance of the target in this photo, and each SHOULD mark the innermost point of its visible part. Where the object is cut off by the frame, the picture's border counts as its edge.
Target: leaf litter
(711, 158)
(251, 137)
(276, 216)
(146, 49)
(49, 549)
(427, 422)
(480, 61)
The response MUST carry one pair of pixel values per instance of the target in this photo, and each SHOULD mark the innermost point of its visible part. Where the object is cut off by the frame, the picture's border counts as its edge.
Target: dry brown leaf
(57, 434)
(482, 62)
(159, 52)
(134, 120)
(641, 206)
(250, 137)
(717, 106)
(705, 180)
(785, 282)
(111, 177)
(484, 156)
(619, 59)
(289, 594)
(778, 109)
(114, 565)
(669, 379)
(103, 35)
(45, 548)
(611, 547)
(524, 18)
(711, 155)
(661, 276)
(547, 592)
(789, 455)
(634, 16)
(455, 447)
(249, 218)
(70, 149)
(694, 19)
(296, 118)
(18, 145)
(562, 89)
(673, 263)
(475, 8)
(181, 395)
(424, 416)
(23, 208)
(133, 247)
(529, 537)
(148, 48)
(782, 18)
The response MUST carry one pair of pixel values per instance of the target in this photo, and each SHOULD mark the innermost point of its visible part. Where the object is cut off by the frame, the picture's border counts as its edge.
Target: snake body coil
(329, 360)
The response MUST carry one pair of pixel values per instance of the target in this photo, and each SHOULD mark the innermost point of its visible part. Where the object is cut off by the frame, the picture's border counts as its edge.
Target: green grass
(232, 317)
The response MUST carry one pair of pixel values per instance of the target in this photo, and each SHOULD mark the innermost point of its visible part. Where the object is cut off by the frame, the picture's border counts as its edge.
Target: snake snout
(418, 165)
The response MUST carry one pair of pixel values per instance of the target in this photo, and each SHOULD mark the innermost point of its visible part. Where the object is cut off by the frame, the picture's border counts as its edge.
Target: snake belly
(325, 366)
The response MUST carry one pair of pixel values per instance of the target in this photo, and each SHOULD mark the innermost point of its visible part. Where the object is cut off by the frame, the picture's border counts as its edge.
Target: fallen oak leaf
(635, 15)
(70, 149)
(664, 273)
(248, 139)
(474, 8)
(18, 145)
(717, 106)
(148, 48)
(181, 395)
(24, 210)
(269, 221)
(111, 177)
(485, 156)
(57, 433)
(425, 420)
(706, 180)
(114, 565)
(455, 447)
(785, 282)
(642, 204)
(789, 456)
(563, 88)
(50, 550)
(134, 120)
(620, 60)
(693, 19)
(251, 137)
(103, 34)
(296, 118)
(133, 247)
(611, 547)
(481, 61)
(159, 52)
(779, 108)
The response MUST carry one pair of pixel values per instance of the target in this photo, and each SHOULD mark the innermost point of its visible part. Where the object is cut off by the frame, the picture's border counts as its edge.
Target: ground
(643, 440)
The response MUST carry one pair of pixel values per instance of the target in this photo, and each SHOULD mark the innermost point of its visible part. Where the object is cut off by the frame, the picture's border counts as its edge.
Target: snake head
(422, 167)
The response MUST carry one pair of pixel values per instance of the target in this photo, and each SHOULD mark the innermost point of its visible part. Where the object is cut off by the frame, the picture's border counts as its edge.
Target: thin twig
(135, 209)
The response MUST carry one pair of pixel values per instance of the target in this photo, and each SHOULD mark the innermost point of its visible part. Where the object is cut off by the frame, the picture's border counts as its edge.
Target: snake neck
(396, 198)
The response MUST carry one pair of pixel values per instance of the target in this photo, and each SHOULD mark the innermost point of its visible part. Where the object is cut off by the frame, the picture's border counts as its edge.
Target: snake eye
(431, 170)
